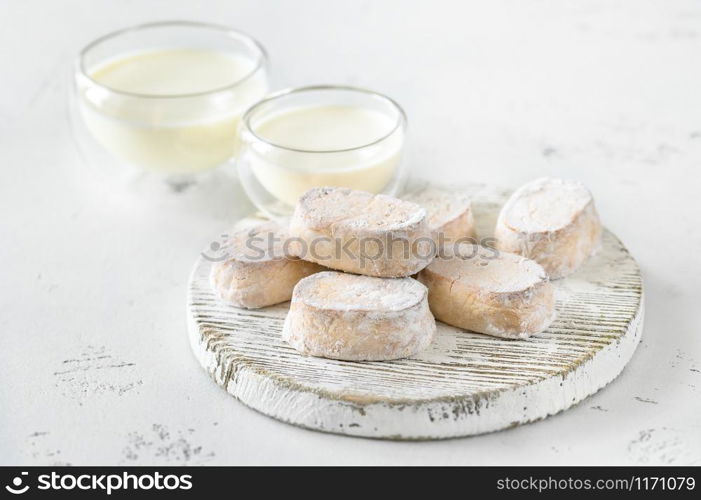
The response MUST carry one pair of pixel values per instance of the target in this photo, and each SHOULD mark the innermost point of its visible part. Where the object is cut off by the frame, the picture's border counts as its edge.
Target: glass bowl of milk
(325, 135)
(166, 98)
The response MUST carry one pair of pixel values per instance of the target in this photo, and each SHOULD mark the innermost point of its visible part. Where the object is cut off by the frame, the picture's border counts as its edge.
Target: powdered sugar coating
(362, 233)
(359, 318)
(256, 271)
(259, 243)
(551, 221)
(485, 268)
(545, 204)
(445, 208)
(345, 292)
(499, 294)
(326, 206)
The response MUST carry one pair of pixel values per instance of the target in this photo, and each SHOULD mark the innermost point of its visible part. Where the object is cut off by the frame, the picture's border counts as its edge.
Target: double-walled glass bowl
(276, 172)
(174, 130)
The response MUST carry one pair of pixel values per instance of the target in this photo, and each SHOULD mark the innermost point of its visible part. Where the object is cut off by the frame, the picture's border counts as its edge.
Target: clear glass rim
(401, 120)
(261, 61)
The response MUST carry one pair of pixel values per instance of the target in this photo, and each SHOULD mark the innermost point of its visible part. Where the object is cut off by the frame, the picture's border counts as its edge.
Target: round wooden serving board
(463, 384)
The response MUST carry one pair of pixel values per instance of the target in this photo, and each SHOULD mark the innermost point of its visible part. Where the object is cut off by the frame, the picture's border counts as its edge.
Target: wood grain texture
(463, 384)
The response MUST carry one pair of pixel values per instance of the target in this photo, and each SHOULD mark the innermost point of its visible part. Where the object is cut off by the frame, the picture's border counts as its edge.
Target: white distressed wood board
(463, 384)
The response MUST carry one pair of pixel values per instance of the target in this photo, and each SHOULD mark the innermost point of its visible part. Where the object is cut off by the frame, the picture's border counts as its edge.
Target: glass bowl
(325, 135)
(129, 117)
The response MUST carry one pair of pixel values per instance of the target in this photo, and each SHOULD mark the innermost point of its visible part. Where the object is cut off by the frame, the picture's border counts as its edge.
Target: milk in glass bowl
(167, 97)
(327, 135)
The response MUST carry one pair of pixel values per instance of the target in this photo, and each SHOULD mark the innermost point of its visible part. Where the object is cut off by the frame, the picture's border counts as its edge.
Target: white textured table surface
(95, 366)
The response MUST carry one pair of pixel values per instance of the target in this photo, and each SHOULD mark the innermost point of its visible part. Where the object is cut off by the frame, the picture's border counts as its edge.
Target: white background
(95, 367)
